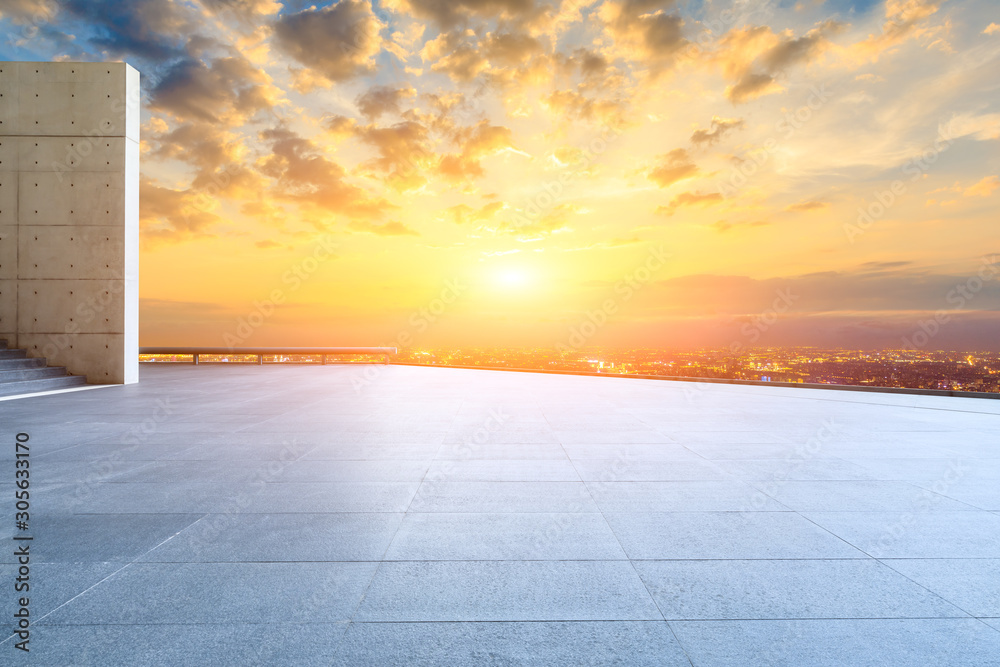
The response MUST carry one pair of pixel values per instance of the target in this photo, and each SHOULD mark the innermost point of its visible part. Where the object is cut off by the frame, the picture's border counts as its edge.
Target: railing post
(195, 359)
(260, 359)
(324, 359)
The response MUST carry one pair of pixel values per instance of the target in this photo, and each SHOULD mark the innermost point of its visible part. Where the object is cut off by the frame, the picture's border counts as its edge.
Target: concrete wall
(69, 215)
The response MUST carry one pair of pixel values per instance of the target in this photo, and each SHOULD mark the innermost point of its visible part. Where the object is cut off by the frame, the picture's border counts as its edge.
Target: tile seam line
(635, 571)
(937, 595)
(378, 567)
(126, 565)
(882, 562)
(503, 560)
(535, 620)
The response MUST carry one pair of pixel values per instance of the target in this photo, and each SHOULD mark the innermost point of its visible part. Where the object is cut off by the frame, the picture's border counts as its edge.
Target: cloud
(720, 127)
(304, 176)
(591, 63)
(573, 160)
(803, 49)
(752, 86)
(218, 157)
(166, 214)
(380, 100)
(447, 107)
(901, 20)
(756, 57)
(476, 142)
(690, 199)
(338, 42)
(393, 228)
(448, 13)
(234, 181)
(571, 104)
(230, 90)
(984, 127)
(462, 214)
(511, 48)
(873, 289)
(722, 226)
(991, 29)
(262, 209)
(983, 188)
(305, 80)
(204, 145)
(552, 221)
(23, 12)
(803, 207)
(340, 127)
(643, 32)
(243, 8)
(869, 268)
(673, 167)
(150, 29)
(452, 54)
(404, 154)
(267, 244)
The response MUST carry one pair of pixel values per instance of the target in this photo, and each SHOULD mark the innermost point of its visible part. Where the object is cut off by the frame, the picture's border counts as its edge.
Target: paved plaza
(394, 515)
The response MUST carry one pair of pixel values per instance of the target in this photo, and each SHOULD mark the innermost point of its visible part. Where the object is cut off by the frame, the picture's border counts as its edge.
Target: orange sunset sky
(496, 172)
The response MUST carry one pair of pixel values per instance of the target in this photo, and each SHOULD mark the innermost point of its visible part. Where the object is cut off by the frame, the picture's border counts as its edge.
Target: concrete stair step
(45, 384)
(20, 374)
(32, 373)
(18, 364)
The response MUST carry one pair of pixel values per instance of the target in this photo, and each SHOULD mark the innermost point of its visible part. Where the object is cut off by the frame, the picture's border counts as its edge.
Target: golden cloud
(304, 176)
(690, 199)
(229, 90)
(754, 58)
(172, 215)
(404, 154)
(644, 32)
(983, 188)
(393, 228)
(673, 167)
(380, 100)
(719, 128)
(477, 142)
(803, 207)
(338, 42)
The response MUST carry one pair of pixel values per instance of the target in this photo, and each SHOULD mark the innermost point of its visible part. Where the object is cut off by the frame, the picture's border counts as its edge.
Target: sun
(512, 278)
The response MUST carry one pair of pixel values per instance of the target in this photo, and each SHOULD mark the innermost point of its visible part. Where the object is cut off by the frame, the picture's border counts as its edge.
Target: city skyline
(901, 368)
(517, 173)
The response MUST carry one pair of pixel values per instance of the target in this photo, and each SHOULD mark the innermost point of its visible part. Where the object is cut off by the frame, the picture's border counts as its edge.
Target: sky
(478, 173)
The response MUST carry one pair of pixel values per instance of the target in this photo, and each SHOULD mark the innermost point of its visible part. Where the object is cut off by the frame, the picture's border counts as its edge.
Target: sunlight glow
(513, 278)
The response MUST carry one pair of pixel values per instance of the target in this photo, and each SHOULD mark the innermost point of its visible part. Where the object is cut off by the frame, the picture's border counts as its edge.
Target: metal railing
(261, 352)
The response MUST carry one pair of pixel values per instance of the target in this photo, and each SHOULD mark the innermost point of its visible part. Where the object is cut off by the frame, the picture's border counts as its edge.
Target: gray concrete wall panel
(69, 215)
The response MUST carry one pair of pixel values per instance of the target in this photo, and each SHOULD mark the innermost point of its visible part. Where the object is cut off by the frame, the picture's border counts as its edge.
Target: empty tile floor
(347, 515)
